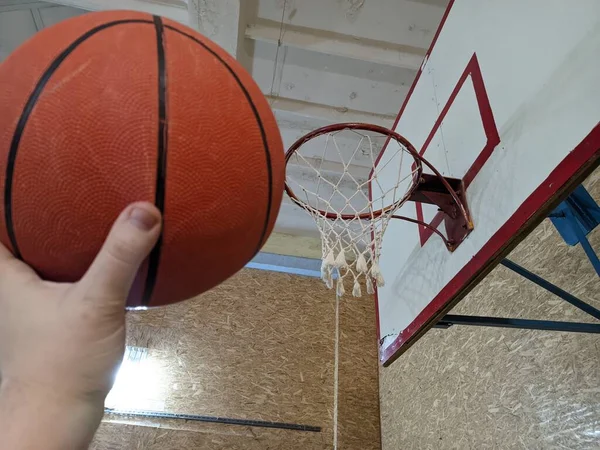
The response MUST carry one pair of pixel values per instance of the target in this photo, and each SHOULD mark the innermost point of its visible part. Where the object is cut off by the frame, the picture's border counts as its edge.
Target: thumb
(131, 238)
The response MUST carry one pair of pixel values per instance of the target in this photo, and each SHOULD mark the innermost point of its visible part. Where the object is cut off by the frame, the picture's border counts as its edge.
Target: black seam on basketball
(260, 125)
(26, 113)
(161, 164)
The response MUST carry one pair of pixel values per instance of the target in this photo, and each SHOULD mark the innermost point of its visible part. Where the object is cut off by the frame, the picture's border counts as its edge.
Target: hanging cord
(276, 62)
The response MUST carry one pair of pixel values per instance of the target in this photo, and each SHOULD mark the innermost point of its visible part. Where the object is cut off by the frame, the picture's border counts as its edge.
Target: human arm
(61, 343)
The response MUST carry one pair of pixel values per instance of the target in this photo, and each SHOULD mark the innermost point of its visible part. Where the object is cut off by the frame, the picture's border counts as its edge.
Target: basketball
(113, 107)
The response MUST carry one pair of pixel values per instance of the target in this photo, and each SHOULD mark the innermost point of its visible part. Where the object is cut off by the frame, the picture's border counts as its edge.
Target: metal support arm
(528, 324)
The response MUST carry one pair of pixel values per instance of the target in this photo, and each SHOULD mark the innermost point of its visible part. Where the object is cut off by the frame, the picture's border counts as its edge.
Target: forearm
(32, 418)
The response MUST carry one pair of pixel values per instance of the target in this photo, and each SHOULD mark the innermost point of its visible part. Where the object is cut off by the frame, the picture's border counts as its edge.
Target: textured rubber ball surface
(109, 108)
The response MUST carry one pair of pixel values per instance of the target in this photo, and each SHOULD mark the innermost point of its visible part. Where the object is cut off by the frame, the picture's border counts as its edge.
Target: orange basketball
(115, 107)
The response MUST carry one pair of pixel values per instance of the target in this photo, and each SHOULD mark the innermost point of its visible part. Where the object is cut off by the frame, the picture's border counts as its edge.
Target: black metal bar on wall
(214, 419)
(527, 324)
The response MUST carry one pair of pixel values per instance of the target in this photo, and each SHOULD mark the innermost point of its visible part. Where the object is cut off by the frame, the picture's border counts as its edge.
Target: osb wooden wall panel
(260, 346)
(287, 244)
(358, 397)
(119, 436)
(498, 388)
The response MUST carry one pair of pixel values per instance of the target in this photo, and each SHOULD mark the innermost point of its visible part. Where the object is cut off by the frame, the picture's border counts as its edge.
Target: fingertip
(134, 233)
(132, 237)
(143, 215)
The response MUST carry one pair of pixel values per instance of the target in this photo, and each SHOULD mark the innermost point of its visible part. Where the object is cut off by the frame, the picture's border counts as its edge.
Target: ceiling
(318, 61)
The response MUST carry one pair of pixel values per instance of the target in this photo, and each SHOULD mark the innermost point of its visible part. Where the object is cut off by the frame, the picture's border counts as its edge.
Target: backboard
(508, 100)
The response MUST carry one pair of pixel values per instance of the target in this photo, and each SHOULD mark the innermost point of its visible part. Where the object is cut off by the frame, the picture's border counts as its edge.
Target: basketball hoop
(332, 174)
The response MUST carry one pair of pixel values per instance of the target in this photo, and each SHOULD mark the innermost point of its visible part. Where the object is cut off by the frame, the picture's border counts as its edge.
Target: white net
(351, 193)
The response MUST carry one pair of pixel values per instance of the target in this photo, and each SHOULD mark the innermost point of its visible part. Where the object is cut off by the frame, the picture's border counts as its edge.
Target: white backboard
(507, 99)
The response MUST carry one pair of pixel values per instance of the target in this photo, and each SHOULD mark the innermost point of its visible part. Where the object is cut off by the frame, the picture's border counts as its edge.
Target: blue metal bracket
(575, 218)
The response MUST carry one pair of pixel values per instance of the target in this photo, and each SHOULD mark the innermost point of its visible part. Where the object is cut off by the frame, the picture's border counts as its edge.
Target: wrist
(34, 417)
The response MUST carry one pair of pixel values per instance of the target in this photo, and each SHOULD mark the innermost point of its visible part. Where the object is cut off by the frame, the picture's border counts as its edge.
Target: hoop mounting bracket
(431, 190)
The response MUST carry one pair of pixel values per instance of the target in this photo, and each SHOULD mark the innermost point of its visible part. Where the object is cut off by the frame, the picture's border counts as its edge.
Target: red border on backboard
(489, 126)
(588, 149)
(408, 95)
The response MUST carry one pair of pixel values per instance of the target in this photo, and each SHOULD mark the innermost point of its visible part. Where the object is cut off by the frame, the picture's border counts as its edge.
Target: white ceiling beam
(323, 113)
(293, 220)
(360, 172)
(337, 44)
(440, 3)
(15, 5)
(218, 20)
(172, 9)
